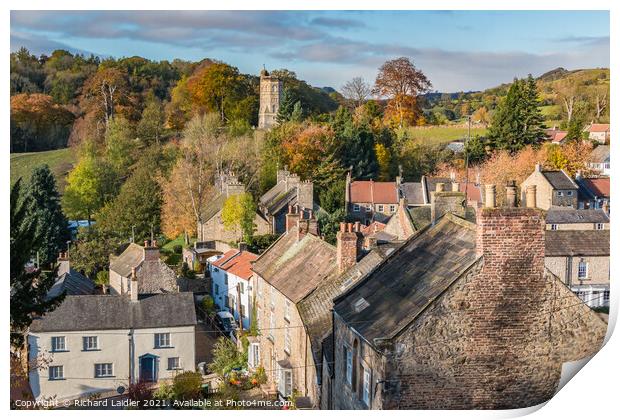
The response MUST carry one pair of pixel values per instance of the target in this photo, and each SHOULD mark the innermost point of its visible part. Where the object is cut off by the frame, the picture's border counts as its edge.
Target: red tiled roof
(598, 127)
(374, 192)
(237, 263)
(372, 228)
(599, 186)
(473, 191)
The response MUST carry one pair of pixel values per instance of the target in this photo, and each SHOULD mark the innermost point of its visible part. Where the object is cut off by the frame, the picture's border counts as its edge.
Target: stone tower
(270, 95)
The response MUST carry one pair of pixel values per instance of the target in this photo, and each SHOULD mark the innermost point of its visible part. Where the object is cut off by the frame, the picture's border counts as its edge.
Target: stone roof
(296, 266)
(430, 184)
(214, 207)
(420, 216)
(156, 277)
(561, 215)
(402, 286)
(561, 243)
(374, 192)
(559, 180)
(600, 154)
(131, 257)
(72, 283)
(413, 193)
(107, 312)
(237, 262)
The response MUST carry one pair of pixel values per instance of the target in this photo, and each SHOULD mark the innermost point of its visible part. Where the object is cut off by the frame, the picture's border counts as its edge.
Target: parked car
(226, 321)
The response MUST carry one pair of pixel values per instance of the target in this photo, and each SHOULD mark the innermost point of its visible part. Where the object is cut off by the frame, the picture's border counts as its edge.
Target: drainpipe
(130, 352)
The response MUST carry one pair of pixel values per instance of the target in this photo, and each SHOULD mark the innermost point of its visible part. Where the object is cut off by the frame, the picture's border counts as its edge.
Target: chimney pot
(538, 167)
(342, 226)
(511, 195)
(357, 226)
(146, 244)
(530, 196)
(489, 201)
(439, 187)
(455, 187)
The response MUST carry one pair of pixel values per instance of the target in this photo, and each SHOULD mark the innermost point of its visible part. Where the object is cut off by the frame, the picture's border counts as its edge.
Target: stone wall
(447, 202)
(598, 269)
(214, 229)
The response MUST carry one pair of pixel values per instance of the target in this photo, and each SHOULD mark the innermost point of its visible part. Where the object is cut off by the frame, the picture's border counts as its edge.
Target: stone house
(269, 102)
(454, 319)
(69, 281)
(599, 160)
(580, 259)
(556, 136)
(197, 255)
(598, 133)
(230, 284)
(154, 276)
(294, 283)
(367, 201)
(567, 218)
(594, 193)
(418, 194)
(212, 228)
(288, 191)
(553, 188)
(96, 343)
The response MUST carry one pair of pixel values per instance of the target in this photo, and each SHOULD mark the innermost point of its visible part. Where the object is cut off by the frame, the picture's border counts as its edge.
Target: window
(554, 227)
(366, 387)
(243, 313)
(59, 344)
(287, 309)
(356, 207)
(103, 370)
(226, 279)
(217, 289)
(560, 193)
(230, 302)
(285, 382)
(599, 226)
(272, 325)
(174, 363)
(569, 193)
(392, 208)
(368, 208)
(582, 273)
(241, 287)
(162, 340)
(287, 339)
(348, 357)
(606, 298)
(56, 373)
(380, 207)
(253, 355)
(90, 343)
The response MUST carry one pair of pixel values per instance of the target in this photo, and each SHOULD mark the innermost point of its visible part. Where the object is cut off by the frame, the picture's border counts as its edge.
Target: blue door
(147, 368)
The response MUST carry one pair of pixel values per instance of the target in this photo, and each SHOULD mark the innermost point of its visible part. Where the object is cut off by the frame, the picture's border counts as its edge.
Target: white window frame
(162, 344)
(380, 207)
(287, 339)
(584, 271)
(367, 374)
(254, 355)
(285, 382)
(90, 343)
(55, 343)
(56, 373)
(176, 366)
(599, 226)
(368, 208)
(554, 226)
(104, 370)
(356, 207)
(392, 208)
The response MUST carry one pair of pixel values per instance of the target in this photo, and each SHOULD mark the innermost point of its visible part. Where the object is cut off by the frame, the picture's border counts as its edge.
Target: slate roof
(373, 192)
(73, 283)
(156, 277)
(413, 276)
(237, 263)
(559, 180)
(214, 207)
(567, 215)
(413, 193)
(430, 184)
(420, 216)
(600, 154)
(107, 312)
(560, 243)
(295, 266)
(131, 257)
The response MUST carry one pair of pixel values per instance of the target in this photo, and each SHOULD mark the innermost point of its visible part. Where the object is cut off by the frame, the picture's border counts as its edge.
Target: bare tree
(599, 95)
(356, 90)
(567, 93)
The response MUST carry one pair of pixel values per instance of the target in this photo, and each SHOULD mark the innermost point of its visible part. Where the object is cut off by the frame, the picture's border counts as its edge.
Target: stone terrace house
(553, 188)
(294, 284)
(154, 276)
(454, 319)
(594, 193)
(598, 133)
(212, 228)
(230, 284)
(96, 343)
(367, 201)
(70, 281)
(599, 160)
(288, 191)
(581, 260)
(566, 218)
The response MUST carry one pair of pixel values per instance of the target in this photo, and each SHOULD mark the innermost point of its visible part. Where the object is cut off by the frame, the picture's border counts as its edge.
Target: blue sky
(458, 50)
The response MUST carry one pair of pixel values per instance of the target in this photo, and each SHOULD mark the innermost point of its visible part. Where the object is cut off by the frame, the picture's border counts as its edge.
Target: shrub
(177, 249)
(187, 385)
(208, 305)
(226, 357)
(164, 392)
(140, 392)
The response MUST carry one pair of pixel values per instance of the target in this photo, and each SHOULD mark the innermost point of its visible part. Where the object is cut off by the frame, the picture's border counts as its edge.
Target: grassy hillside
(441, 134)
(60, 162)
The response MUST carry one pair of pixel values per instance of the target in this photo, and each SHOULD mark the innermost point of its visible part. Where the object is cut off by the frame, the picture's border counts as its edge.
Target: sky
(457, 50)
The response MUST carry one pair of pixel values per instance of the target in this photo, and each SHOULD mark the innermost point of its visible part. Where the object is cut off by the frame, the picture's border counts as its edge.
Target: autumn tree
(306, 149)
(120, 145)
(216, 87)
(481, 116)
(179, 109)
(151, 125)
(238, 215)
(356, 90)
(105, 93)
(401, 82)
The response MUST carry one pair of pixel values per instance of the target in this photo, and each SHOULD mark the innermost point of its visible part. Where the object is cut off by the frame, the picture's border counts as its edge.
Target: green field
(442, 134)
(60, 162)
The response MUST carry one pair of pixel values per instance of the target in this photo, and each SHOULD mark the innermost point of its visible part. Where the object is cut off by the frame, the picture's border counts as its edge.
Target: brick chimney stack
(292, 217)
(151, 251)
(307, 225)
(346, 247)
(133, 290)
